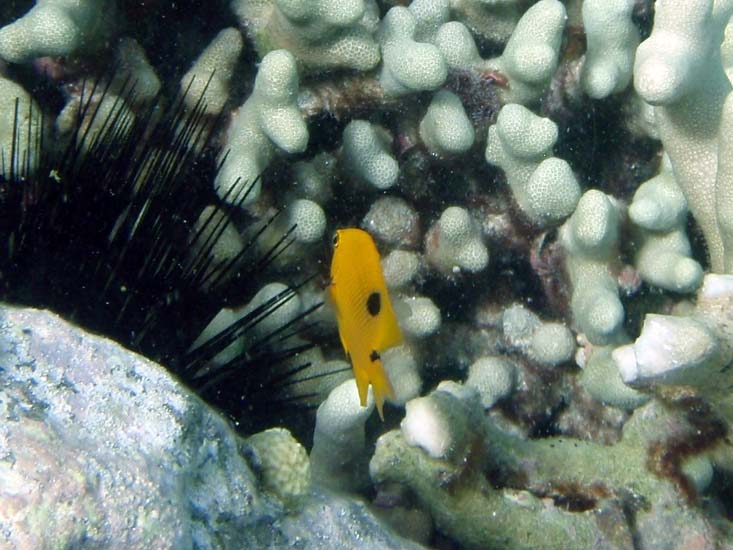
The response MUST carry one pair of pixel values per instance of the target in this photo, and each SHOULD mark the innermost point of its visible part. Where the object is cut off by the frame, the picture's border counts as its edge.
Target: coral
(678, 69)
(545, 343)
(321, 34)
(209, 78)
(552, 344)
(403, 371)
(449, 482)
(691, 350)
(57, 28)
(612, 41)
(430, 15)
(393, 221)
(453, 485)
(16, 102)
(281, 464)
(726, 51)
(441, 424)
(93, 127)
(267, 122)
(408, 65)
(456, 44)
(601, 379)
(315, 378)
(724, 196)
(491, 20)
(285, 312)
(366, 154)
(412, 523)
(543, 186)
(400, 267)
(445, 129)
(590, 239)
(313, 179)
(418, 316)
(214, 233)
(493, 378)
(121, 97)
(663, 259)
(303, 220)
(308, 219)
(454, 243)
(595, 374)
(134, 67)
(531, 55)
(518, 324)
(338, 458)
(272, 298)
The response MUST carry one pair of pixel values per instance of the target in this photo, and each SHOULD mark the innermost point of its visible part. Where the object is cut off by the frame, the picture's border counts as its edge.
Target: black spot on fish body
(374, 356)
(374, 304)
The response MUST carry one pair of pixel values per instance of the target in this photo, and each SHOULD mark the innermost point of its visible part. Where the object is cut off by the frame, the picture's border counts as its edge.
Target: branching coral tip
(366, 321)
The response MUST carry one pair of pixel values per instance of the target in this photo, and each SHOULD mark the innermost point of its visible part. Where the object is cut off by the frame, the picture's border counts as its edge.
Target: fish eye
(335, 239)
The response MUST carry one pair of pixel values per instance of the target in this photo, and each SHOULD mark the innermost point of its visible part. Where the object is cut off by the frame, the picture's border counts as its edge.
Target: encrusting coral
(281, 463)
(452, 484)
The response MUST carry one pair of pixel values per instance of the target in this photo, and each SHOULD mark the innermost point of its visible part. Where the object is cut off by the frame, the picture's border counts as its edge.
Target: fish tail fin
(382, 388)
(362, 384)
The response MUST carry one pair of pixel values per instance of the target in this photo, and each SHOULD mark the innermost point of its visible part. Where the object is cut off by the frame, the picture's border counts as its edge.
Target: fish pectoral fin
(389, 334)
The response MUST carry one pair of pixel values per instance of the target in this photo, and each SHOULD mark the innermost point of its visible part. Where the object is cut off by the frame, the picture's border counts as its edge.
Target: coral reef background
(550, 186)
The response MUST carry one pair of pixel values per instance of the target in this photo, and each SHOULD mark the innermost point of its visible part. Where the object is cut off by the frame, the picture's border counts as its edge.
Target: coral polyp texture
(57, 28)
(549, 185)
(321, 34)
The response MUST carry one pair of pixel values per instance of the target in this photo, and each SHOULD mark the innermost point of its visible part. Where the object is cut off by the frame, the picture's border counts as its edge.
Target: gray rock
(101, 448)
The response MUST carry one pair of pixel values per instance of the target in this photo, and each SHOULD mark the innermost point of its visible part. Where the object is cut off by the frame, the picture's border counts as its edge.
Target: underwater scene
(439, 274)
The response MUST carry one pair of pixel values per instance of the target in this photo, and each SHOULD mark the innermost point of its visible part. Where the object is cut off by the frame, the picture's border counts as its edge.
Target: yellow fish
(366, 321)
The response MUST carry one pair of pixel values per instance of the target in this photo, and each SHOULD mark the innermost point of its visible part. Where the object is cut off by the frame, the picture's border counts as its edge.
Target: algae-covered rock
(101, 448)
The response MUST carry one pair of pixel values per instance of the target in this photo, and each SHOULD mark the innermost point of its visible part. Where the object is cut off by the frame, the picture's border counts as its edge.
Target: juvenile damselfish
(366, 321)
